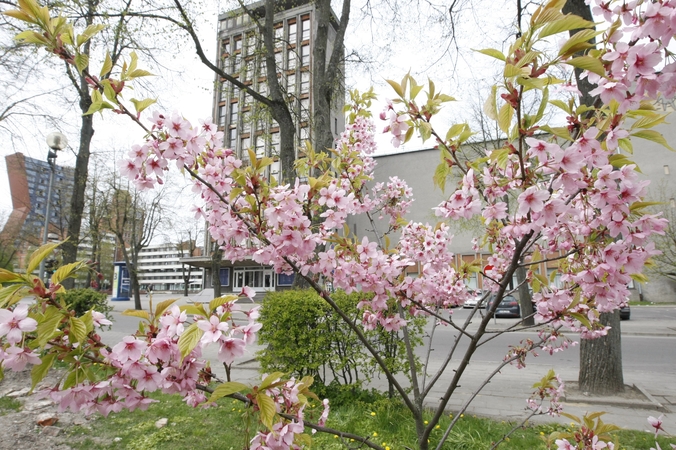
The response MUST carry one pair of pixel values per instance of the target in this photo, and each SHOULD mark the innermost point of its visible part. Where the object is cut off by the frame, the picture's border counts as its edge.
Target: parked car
(508, 307)
(625, 313)
(477, 298)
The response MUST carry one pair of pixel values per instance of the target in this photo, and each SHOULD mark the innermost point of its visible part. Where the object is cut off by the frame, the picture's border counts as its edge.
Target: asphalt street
(648, 352)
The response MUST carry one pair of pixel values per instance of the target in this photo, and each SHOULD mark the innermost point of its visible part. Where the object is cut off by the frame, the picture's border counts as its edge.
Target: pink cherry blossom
(14, 323)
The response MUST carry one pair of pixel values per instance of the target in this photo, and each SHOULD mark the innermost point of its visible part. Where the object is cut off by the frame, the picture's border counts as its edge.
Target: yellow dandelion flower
(375, 434)
(542, 433)
(507, 439)
(462, 415)
(372, 413)
(437, 427)
(426, 422)
(335, 436)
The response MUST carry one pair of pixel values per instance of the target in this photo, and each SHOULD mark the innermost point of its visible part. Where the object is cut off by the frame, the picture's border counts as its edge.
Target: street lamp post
(55, 141)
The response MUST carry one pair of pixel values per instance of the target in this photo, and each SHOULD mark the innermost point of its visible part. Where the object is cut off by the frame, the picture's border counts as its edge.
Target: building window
(233, 138)
(260, 147)
(305, 109)
(263, 88)
(225, 49)
(246, 122)
(306, 29)
(285, 280)
(246, 144)
(305, 55)
(305, 82)
(279, 35)
(224, 275)
(250, 44)
(291, 59)
(234, 113)
(236, 64)
(255, 277)
(291, 84)
(221, 115)
(293, 32)
(238, 43)
(278, 61)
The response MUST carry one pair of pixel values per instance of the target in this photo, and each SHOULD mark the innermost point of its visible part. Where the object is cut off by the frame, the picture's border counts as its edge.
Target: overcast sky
(410, 44)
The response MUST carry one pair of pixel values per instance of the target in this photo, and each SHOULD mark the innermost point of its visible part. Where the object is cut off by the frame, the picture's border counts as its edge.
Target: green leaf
(67, 271)
(543, 105)
(490, 105)
(32, 37)
(514, 71)
(425, 130)
(567, 23)
(140, 105)
(618, 160)
(81, 62)
(88, 321)
(588, 63)
(108, 91)
(500, 156)
(196, 309)
(39, 371)
(48, 325)
(497, 54)
(225, 389)
(267, 409)
(107, 66)
(139, 73)
(137, 313)
(637, 206)
(189, 339)
(162, 306)
(505, 117)
(270, 379)
(579, 41)
(77, 330)
(215, 303)
(654, 136)
(38, 255)
(397, 87)
(7, 276)
(440, 174)
(21, 15)
(582, 319)
(11, 294)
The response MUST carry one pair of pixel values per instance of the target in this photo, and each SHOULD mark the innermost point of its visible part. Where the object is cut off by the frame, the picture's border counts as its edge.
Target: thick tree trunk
(601, 360)
(525, 302)
(216, 258)
(580, 8)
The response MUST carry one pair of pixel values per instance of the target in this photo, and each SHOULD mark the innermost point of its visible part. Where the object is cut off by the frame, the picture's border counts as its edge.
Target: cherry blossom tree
(574, 199)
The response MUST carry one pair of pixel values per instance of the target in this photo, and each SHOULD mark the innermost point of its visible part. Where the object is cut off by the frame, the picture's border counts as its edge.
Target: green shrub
(82, 300)
(305, 336)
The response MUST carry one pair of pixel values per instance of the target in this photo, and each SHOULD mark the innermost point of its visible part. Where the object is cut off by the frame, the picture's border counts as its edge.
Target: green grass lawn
(384, 422)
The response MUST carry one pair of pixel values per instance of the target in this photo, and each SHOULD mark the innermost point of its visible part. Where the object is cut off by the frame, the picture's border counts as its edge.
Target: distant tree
(134, 219)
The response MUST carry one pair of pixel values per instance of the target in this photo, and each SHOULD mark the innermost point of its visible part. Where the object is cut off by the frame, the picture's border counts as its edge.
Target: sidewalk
(504, 398)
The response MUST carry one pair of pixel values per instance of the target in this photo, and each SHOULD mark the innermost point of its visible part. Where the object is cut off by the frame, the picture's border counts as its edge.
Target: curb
(649, 403)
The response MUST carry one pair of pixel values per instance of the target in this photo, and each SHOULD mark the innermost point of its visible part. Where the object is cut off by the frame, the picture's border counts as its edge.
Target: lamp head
(56, 141)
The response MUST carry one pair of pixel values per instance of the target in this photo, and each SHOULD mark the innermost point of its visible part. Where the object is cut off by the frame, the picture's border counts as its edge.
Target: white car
(472, 302)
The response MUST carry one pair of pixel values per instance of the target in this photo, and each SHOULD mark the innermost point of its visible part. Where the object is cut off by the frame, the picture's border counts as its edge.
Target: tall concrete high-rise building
(248, 124)
(28, 184)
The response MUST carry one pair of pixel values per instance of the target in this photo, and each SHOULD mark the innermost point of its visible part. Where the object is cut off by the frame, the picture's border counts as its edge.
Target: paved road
(649, 360)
